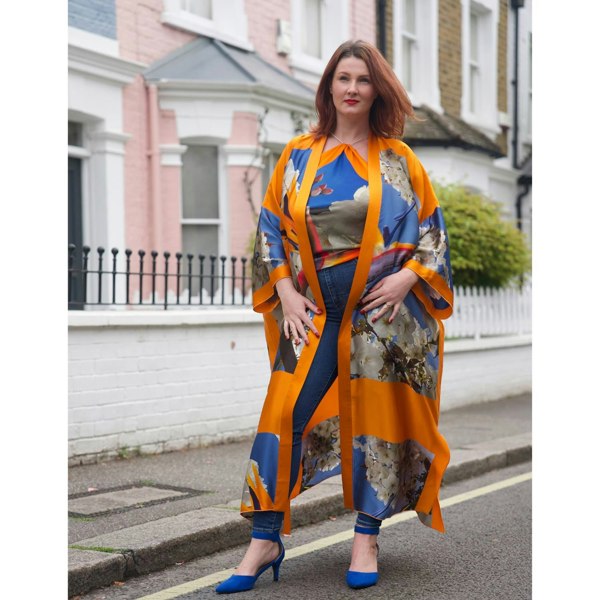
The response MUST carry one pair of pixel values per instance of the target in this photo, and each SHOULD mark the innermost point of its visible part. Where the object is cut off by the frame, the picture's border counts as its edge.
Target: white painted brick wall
(159, 382)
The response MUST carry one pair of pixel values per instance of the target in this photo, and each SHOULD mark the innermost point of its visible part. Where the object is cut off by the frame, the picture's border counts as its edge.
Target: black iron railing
(190, 280)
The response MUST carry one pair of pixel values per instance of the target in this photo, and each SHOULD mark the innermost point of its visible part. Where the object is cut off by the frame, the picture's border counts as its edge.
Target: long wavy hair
(392, 105)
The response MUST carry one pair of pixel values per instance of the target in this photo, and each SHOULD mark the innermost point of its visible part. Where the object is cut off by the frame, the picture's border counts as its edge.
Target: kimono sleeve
(269, 258)
(431, 258)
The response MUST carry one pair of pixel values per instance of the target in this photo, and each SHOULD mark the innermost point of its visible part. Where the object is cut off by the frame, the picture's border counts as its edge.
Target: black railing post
(233, 259)
(190, 258)
(166, 255)
(244, 261)
(213, 260)
(154, 254)
(128, 254)
(141, 254)
(100, 253)
(86, 261)
(114, 251)
(223, 259)
(201, 257)
(178, 255)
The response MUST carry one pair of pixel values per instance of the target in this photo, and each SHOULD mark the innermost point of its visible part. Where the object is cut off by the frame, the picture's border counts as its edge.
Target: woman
(351, 271)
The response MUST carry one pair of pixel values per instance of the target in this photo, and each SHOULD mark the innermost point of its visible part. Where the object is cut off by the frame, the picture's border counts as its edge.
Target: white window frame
(425, 71)
(222, 220)
(228, 24)
(487, 116)
(334, 31)
(529, 127)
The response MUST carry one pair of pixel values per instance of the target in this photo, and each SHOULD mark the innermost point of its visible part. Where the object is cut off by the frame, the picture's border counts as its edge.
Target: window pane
(407, 60)
(410, 20)
(200, 183)
(529, 105)
(474, 38)
(474, 95)
(311, 42)
(75, 137)
(202, 8)
(270, 162)
(199, 239)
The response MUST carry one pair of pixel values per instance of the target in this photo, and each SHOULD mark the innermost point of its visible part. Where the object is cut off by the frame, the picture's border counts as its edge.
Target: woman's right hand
(295, 317)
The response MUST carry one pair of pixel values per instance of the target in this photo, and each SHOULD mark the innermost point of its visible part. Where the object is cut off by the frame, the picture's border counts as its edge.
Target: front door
(76, 299)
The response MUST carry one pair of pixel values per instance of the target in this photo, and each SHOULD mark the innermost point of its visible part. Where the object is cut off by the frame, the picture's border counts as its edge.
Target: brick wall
(450, 56)
(262, 18)
(171, 382)
(161, 388)
(389, 32)
(95, 16)
(363, 21)
(502, 138)
(142, 36)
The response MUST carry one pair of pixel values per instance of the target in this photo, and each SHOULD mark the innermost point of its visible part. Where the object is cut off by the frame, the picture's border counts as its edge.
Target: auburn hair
(392, 105)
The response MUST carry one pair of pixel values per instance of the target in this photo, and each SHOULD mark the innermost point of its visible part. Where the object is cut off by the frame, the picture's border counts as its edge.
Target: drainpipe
(154, 160)
(519, 205)
(381, 6)
(516, 5)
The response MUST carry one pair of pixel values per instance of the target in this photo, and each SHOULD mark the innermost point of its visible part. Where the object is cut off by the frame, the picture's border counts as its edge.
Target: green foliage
(485, 249)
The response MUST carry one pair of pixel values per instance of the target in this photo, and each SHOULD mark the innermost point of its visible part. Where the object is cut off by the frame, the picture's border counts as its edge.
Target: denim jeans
(335, 283)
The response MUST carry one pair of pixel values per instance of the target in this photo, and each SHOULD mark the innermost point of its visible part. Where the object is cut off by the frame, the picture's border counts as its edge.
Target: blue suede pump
(243, 583)
(357, 579)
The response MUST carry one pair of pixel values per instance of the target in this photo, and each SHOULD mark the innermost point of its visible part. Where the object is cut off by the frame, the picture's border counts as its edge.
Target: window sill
(488, 126)
(200, 26)
(307, 68)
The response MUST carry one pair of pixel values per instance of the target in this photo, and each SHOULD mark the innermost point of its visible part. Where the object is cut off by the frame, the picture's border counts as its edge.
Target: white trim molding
(485, 116)
(108, 142)
(93, 42)
(103, 66)
(425, 87)
(170, 154)
(334, 30)
(228, 23)
(242, 156)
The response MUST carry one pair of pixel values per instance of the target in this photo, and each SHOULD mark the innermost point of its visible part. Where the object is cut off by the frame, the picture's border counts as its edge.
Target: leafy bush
(485, 249)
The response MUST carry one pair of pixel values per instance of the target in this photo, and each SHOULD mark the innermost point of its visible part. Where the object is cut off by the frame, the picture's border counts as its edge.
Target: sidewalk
(133, 516)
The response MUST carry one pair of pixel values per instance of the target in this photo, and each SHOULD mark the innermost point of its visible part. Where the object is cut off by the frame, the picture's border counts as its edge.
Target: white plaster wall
(494, 178)
(159, 381)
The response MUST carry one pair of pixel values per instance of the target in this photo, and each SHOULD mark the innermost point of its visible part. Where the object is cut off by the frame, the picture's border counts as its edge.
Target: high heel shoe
(358, 579)
(243, 583)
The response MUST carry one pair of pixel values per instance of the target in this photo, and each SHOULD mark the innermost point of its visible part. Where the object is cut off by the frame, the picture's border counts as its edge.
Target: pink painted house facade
(178, 110)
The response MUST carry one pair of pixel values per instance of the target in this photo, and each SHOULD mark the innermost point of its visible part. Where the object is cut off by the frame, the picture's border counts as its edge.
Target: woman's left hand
(390, 292)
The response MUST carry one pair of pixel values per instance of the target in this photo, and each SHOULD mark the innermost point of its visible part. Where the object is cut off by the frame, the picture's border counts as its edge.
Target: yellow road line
(214, 578)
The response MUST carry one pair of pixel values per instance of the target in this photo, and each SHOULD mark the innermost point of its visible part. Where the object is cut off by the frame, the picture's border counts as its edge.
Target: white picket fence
(483, 312)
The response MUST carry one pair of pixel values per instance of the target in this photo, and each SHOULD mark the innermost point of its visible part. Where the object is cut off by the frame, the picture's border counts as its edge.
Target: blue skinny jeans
(335, 283)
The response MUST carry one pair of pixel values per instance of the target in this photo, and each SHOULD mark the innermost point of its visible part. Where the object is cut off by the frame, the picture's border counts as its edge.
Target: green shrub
(485, 249)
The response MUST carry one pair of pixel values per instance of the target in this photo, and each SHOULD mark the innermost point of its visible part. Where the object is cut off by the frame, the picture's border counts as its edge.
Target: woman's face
(351, 88)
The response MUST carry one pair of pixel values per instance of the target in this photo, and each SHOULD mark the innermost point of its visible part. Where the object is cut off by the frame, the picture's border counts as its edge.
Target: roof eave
(414, 142)
(212, 89)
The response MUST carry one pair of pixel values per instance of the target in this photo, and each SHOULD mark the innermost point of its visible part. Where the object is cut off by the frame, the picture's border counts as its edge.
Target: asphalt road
(485, 554)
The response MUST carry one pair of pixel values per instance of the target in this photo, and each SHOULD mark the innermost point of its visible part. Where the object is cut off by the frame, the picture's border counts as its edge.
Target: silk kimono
(377, 424)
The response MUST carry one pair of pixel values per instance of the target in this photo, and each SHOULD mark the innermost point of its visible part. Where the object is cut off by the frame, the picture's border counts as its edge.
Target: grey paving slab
(101, 502)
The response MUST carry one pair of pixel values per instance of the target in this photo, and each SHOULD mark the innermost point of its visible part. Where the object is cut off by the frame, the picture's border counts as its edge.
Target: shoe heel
(278, 562)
